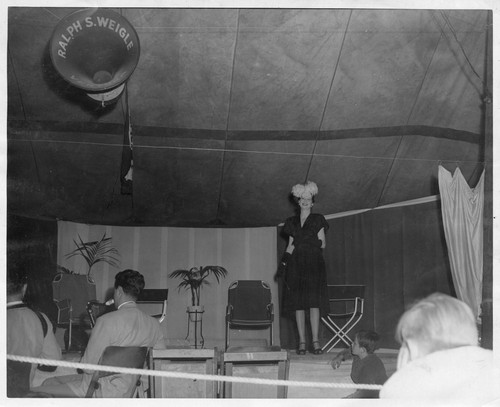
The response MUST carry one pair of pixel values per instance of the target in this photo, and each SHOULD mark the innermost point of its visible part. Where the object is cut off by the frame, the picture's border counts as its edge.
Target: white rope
(192, 376)
(243, 151)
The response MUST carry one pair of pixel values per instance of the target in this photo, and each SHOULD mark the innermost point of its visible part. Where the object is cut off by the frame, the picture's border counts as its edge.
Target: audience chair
(249, 306)
(18, 378)
(155, 296)
(346, 310)
(120, 356)
(65, 318)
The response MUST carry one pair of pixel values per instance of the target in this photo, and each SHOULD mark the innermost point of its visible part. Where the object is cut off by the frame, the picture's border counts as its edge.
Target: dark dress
(305, 279)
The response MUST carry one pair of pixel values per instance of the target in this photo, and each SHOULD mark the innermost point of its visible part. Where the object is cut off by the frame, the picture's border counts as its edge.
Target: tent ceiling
(231, 107)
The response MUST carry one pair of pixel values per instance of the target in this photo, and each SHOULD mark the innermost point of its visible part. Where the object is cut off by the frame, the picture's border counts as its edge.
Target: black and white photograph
(236, 200)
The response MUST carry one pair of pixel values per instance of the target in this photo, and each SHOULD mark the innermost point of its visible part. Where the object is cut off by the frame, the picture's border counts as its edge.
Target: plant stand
(195, 318)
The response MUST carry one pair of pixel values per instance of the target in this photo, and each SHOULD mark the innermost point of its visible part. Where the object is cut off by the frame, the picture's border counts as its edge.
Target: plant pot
(195, 312)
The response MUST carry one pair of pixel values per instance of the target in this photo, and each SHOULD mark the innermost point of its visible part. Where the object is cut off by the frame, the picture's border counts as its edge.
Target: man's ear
(23, 290)
(404, 356)
(409, 351)
(119, 291)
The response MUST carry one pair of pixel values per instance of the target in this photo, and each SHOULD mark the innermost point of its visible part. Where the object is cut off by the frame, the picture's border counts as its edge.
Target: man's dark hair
(368, 340)
(131, 281)
(15, 283)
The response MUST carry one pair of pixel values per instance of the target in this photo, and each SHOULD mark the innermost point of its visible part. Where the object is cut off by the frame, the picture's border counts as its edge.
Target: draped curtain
(462, 212)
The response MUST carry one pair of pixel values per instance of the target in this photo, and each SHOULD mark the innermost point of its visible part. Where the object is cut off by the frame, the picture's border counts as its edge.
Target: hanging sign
(95, 49)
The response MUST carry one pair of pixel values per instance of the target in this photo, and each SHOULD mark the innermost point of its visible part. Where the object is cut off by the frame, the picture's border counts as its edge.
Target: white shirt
(25, 335)
(462, 376)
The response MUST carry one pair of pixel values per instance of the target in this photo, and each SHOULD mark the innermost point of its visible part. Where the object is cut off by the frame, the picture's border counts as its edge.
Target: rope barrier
(192, 376)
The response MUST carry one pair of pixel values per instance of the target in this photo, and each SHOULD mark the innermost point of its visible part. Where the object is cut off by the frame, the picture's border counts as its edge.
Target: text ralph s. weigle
(92, 22)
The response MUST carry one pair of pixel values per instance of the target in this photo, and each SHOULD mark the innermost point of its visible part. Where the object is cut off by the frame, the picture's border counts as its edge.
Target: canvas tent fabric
(230, 105)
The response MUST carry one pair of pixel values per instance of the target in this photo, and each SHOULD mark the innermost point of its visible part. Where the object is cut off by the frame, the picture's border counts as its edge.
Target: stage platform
(304, 368)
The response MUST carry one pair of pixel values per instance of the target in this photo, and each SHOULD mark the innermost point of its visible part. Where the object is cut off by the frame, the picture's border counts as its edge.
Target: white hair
(438, 322)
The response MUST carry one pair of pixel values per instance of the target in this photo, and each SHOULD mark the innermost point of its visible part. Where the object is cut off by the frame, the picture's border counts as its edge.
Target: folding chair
(120, 356)
(65, 318)
(155, 296)
(346, 310)
(80, 289)
(18, 378)
(249, 306)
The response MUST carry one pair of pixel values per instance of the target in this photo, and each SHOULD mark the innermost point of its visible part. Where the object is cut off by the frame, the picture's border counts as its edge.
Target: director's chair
(346, 310)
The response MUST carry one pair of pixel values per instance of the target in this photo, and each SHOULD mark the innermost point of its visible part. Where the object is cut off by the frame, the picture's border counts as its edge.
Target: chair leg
(227, 386)
(283, 367)
(70, 334)
(227, 336)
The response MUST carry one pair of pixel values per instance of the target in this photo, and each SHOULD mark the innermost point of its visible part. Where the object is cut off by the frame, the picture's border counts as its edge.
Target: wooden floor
(304, 368)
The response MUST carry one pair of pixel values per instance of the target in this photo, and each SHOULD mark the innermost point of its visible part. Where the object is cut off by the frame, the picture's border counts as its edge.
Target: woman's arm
(290, 247)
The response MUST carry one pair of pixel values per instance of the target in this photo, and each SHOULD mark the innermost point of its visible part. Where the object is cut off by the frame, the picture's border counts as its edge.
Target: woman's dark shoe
(302, 348)
(316, 348)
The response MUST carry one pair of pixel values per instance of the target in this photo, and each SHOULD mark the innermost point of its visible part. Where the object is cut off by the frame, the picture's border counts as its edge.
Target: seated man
(367, 368)
(29, 333)
(439, 360)
(127, 326)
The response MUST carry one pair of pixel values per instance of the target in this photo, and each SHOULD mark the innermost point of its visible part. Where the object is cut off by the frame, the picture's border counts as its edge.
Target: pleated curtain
(462, 213)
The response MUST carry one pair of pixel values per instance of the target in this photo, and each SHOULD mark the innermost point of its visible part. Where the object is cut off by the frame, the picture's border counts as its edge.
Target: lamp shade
(95, 50)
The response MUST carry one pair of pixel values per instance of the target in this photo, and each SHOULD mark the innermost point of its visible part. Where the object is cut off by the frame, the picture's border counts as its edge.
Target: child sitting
(367, 368)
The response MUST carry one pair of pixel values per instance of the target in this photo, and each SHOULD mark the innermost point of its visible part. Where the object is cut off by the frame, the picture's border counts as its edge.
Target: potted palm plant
(96, 252)
(194, 279)
(80, 288)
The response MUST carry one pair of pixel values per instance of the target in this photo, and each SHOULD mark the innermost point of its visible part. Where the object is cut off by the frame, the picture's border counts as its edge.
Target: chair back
(155, 296)
(345, 299)
(79, 288)
(250, 302)
(346, 292)
(18, 378)
(64, 311)
(120, 356)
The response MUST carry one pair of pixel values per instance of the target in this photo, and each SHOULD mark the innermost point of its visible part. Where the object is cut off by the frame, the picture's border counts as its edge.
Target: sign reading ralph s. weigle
(91, 22)
(91, 41)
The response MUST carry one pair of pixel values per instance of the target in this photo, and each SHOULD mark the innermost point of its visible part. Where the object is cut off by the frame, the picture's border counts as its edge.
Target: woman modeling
(304, 265)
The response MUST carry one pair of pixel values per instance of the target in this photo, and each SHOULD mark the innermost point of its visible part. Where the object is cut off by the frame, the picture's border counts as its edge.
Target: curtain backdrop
(248, 253)
(462, 211)
(398, 253)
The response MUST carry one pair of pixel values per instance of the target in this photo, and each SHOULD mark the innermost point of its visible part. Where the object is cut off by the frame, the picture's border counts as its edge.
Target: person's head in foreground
(439, 359)
(435, 323)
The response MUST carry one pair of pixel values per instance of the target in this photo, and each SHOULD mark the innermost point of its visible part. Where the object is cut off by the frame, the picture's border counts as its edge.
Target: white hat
(306, 191)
